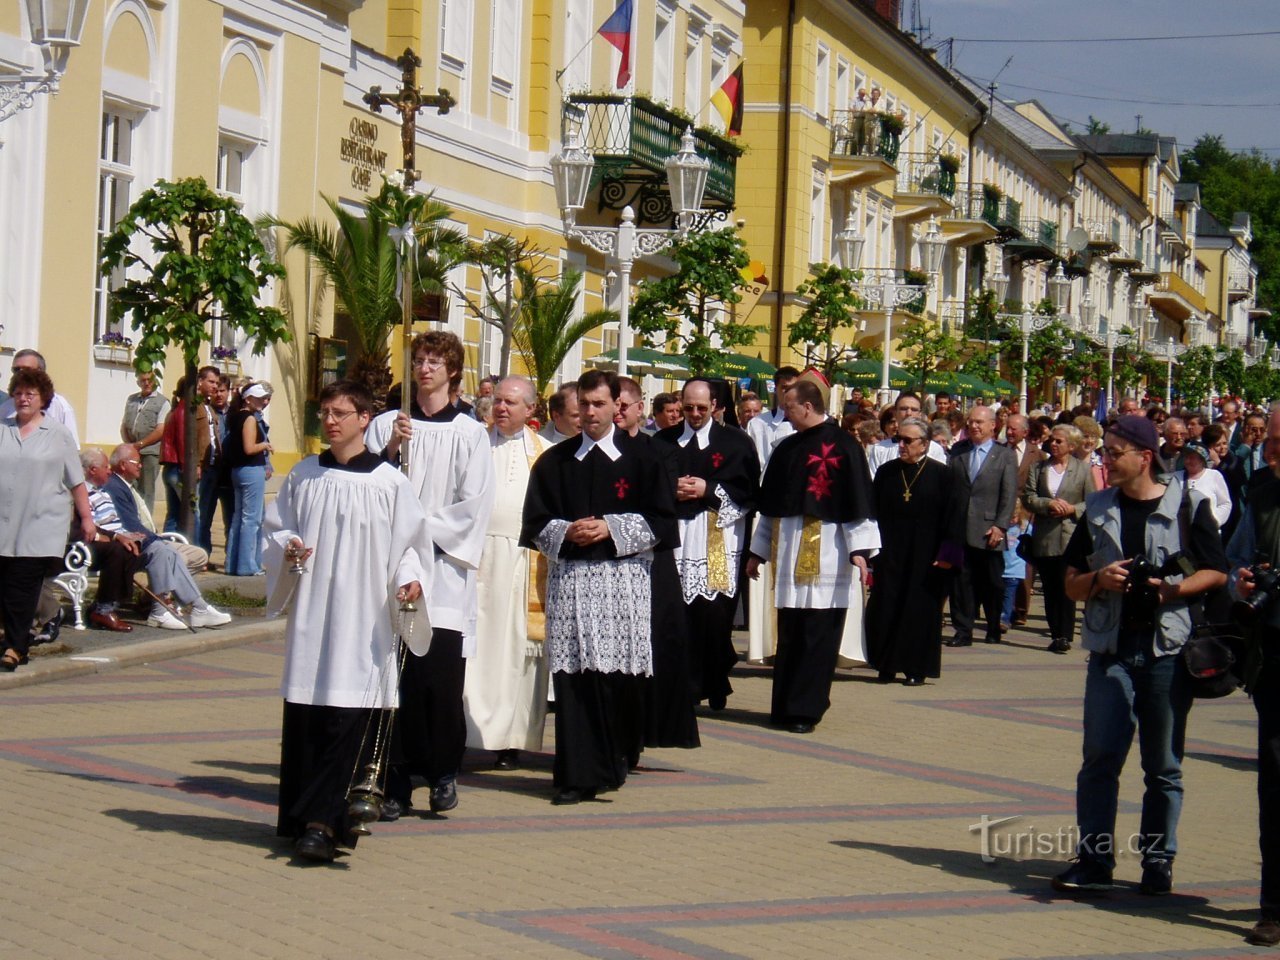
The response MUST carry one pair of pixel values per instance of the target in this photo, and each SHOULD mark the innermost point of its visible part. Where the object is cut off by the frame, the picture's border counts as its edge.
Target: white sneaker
(210, 616)
(165, 620)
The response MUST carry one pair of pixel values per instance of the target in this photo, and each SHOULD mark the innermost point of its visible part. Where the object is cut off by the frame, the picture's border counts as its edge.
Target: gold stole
(809, 558)
(536, 610)
(717, 561)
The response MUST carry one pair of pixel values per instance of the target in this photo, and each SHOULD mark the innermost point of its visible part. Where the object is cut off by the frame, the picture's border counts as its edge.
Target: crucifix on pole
(408, 101)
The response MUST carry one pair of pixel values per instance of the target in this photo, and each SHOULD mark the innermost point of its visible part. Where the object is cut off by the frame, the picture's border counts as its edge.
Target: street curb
(147, 651)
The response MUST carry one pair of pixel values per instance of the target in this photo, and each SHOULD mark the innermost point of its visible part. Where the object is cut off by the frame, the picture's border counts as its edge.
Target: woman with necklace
(914, 509)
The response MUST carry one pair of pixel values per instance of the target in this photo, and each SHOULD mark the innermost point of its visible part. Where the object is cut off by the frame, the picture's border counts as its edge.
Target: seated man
(114, 509)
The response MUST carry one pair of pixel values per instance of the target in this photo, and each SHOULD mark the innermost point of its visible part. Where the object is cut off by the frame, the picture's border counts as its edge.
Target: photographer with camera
(1131, 563)
(1253, 552)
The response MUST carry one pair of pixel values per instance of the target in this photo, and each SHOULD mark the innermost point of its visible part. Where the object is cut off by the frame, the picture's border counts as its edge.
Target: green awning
(645, 358)
(740, 365)
(867, 373)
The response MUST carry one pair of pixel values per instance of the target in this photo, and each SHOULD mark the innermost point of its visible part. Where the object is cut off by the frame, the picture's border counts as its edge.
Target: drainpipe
(784, 184)
(968, 260)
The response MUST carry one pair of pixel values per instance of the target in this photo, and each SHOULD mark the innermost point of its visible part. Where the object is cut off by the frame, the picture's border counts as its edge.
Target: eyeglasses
(429, 363)
(337, 416)
(696, 408)
(1114, 453)
(136, 463)
(902, 439)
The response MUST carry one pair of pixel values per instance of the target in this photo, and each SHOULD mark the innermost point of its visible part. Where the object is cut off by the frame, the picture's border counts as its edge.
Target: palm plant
(359, 258)
(547, 330)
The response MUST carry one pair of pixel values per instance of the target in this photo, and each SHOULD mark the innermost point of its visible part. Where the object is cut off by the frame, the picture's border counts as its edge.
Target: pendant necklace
(906, 487)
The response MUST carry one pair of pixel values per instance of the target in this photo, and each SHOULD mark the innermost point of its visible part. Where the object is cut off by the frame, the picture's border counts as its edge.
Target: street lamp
(686, 180)
(56, 26)
(889, 294)
(1111, 339)
(1171, 350)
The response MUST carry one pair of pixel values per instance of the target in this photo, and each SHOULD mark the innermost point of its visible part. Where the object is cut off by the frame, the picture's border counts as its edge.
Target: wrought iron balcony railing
(631, 138)
(925, 173)
(866, 133)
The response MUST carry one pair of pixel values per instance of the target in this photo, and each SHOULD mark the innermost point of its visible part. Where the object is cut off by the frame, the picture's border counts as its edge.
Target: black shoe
(913, 682)
(316, 845)
(717, 703)
(507, 760)
(958, 641)
(1157, 878)
(1060, 646)
(885, 677)
(990, 639)
(800, 726)
(1084, 876)
(50, 629)
(1265, 933)
(444, 797)
(571, 795)
(392, 810)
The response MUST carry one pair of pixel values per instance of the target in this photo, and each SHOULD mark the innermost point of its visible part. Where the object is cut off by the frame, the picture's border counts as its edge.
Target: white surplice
(367, 531)
(451, 471)
(833, 585)
(765, 431)
(505, 696)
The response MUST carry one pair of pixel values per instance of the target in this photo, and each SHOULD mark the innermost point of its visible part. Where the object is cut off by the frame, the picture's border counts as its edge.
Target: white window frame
(822, 82)
(507, 19)
(122, 175)
(457, 21)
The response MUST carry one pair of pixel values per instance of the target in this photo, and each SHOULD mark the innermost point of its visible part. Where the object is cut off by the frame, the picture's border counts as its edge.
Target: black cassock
(904, 614)
(599, 722)
(729, 462)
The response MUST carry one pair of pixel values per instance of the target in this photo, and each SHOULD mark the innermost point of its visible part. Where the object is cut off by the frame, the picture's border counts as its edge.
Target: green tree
(548, 330)
(360, 260)
(1229, 373)
(709, 271)
(203, 259)
(1194, 375)
(832, 308)
(930, 347)
(507, 280)
(1096, 127)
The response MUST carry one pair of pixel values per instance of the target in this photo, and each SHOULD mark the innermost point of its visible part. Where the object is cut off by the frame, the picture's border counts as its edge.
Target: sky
(1192, 87)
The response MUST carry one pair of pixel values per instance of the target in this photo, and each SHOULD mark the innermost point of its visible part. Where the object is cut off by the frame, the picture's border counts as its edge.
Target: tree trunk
(190, 457)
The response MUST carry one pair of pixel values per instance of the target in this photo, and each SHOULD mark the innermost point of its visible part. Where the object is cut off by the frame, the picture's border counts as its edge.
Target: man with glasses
(907, 405)
(719, 474)
(143, 426)
(1134, 632)
(341, 661)
(451, 470)
(984, 475)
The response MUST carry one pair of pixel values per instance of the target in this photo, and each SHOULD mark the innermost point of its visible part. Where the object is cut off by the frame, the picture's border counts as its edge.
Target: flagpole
(574, 58)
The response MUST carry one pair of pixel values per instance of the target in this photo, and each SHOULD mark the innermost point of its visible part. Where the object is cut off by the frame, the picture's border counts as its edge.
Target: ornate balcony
(1038, 241)
(924, 187)
(1003, 213)
(1176, 298)
(1239, 287)
(631, 138)
(864, 147)
(966, 223)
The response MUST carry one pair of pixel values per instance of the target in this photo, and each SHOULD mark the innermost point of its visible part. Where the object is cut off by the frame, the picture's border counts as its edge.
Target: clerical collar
(703, 434)
(445, 415)
(605, 444)
(362, 462)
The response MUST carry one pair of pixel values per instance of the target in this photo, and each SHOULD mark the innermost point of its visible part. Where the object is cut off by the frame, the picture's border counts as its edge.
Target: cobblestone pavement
(141, 815)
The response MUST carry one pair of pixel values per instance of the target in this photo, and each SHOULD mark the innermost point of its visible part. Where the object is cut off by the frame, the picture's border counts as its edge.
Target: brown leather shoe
(109, 621)
(1265, 933)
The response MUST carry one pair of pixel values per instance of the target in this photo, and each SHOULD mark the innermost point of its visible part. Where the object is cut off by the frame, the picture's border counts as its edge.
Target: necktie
(975, 464)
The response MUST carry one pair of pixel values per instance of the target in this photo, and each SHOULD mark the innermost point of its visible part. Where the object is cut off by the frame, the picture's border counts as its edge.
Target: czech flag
(617, 30)
(728, 102)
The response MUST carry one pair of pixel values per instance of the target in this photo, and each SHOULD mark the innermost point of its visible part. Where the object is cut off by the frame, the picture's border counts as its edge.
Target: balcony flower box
(113, 348)
(226, 360)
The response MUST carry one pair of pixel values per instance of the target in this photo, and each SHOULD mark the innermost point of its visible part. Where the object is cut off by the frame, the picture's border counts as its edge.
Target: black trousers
(116, 566)
(711, 652)
(1266, 700)
(323, 751)
(805, 663)
(1059, 609)
(431, 729)
(594, 729)
(978, 587)
(20, 582)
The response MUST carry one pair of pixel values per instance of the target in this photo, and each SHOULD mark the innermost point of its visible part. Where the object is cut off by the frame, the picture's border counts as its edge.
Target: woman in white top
(1195, 460)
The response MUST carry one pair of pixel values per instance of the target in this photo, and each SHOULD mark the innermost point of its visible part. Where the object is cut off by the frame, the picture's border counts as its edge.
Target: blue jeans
(211, 494)
(1152, 695)
(244, 552)
(171, 474)
(1010, 595)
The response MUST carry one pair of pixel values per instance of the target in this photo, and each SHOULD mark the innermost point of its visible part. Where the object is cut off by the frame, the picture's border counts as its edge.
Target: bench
(74, 580)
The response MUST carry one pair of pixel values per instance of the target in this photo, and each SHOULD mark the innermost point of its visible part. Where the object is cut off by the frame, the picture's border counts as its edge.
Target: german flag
(728, 102)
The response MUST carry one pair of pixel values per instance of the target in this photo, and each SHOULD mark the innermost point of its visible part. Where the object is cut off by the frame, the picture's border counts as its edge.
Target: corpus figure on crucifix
(816, 526)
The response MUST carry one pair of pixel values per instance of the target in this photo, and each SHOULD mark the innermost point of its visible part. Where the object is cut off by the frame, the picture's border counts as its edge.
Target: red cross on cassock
(621, 486)
(820, 465)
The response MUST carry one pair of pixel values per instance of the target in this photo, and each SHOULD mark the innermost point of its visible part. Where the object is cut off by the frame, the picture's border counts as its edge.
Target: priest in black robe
(816, 529)
(597, 508)
(718, 480)
(914, 506)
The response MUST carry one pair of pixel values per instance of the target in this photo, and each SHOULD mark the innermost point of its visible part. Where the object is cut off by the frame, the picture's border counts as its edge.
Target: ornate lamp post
(1170, 350)
(1028, 322)
(890, 293)
(686, 179)
(56, 26)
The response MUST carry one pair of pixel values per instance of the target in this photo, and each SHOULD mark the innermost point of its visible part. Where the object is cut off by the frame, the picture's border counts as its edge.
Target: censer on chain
(365, 799)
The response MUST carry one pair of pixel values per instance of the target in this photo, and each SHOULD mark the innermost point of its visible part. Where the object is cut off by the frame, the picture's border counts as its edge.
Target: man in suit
(1028, 454)
(985, 477)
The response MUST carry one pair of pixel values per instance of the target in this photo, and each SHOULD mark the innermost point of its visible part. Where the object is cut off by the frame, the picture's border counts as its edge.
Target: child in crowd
(1015, 568)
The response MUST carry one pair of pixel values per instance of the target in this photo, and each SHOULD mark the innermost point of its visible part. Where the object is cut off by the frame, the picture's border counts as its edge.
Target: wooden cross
(407, 101)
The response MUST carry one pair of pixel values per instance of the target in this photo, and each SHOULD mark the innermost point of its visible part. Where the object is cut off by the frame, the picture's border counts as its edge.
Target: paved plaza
(141, 824)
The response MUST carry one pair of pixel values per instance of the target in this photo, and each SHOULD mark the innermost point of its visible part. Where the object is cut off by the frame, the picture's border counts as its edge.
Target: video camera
(1266, 587)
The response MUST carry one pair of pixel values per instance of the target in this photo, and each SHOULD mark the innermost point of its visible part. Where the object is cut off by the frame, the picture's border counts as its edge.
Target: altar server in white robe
(340, 644)
(506, 687)
(815, 530)
(767, 431)
(451, 470)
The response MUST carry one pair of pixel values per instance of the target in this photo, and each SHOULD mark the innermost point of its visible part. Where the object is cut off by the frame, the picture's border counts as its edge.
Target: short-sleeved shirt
(36, 476)
(141, 416)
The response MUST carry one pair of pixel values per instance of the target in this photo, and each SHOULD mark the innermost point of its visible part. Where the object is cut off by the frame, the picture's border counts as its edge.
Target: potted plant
(227, 360)
(113, 347)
